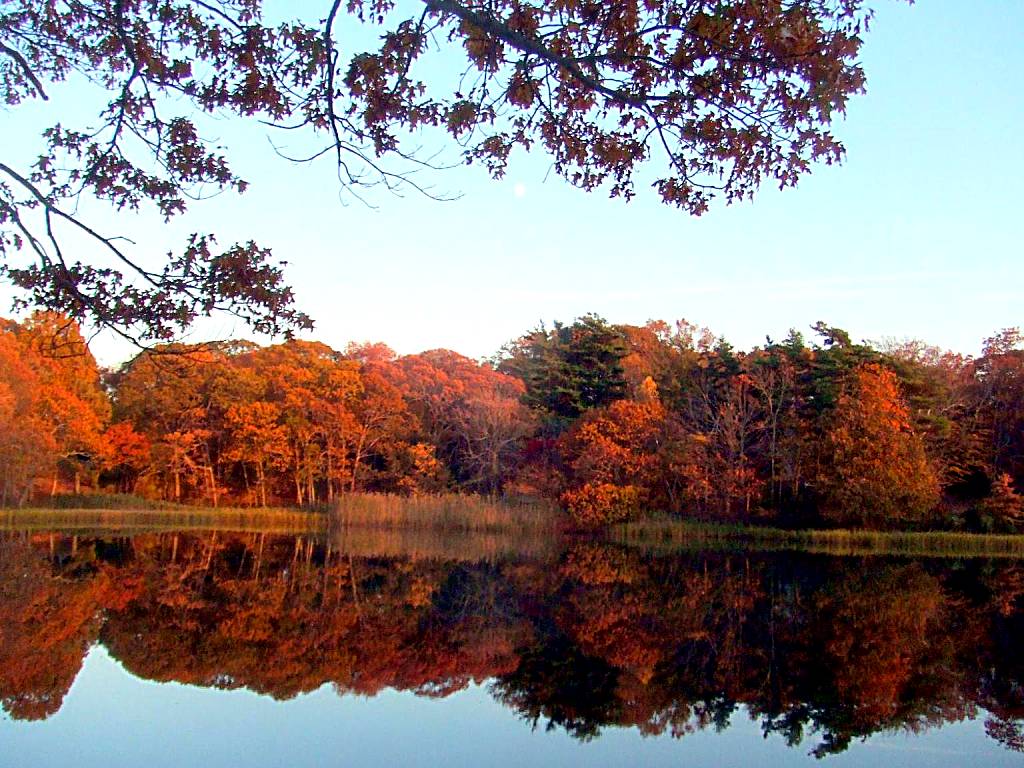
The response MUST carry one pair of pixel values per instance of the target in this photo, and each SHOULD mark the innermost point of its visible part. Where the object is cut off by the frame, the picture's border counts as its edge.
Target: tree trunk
(211, 485)
(261, 482)
(356, 459)
(330, 474)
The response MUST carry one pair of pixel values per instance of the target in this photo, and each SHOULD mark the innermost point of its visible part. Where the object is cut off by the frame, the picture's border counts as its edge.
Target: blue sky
(917, 234)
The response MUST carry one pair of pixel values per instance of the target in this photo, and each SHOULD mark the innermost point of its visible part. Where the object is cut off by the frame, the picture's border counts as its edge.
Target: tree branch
(26, 69)
(533, 46)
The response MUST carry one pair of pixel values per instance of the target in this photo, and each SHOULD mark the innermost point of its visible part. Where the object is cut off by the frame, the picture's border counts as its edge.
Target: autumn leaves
(610, 421)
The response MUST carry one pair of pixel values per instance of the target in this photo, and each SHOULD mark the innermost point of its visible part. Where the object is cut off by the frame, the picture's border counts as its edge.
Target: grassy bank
(446, 512)
(127, 521)
(667, 535)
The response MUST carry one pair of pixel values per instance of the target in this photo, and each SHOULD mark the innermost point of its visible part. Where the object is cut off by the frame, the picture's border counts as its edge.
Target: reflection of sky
(110, 718)
(918, 234)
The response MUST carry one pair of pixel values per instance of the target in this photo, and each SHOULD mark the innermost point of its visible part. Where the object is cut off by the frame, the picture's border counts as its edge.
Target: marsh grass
(669, 535)
(128, 521)
(105, 502)
(435, 527)
(447, 512)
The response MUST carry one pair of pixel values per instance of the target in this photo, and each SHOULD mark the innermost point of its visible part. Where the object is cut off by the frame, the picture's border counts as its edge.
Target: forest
(609, 422)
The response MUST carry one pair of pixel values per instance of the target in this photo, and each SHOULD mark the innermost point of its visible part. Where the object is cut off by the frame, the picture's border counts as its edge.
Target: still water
(224, 649)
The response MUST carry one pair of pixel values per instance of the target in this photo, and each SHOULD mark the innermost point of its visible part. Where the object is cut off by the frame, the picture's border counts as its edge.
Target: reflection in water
(821, 651)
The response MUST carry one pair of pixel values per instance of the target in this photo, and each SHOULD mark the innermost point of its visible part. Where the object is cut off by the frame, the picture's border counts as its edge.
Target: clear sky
(917, 234)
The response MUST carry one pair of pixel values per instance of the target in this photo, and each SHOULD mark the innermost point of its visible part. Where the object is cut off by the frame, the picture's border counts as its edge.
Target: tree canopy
(701, 100)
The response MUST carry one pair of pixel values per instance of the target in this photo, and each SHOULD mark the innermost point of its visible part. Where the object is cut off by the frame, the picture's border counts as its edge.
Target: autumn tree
(27, 446)
(384, 424)
(258, 441)
(471, 413)
(666, 353)
(874, 470)
(940, 391)
(125, 455)
(52, 404)
(611, 460)
(705, 101)
(76, 406)
(312, 392)
(999, 403)
(177, 397)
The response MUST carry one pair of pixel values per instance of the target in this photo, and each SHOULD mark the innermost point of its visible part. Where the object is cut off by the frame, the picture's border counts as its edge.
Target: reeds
(446, 512)
(182, 519)
(443, 527)
(667, 535)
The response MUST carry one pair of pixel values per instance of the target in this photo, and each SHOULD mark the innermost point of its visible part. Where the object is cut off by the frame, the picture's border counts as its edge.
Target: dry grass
(450, 527)
(448, 512)
(665, 535)
(181, 519)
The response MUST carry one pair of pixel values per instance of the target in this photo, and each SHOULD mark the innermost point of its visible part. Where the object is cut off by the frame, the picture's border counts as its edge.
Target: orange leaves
(594, 504)
(708, 102)
(876, 471)
(125, 454)
(52, 407)
(522, 91)
(612, 456)
(461, 117)
(615, 443)
(483, 49)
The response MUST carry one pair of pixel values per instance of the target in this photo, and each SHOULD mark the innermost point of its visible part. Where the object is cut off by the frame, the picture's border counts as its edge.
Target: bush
(594, 504)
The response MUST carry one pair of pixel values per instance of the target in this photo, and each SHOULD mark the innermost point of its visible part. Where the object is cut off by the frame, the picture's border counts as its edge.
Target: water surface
(223, 648)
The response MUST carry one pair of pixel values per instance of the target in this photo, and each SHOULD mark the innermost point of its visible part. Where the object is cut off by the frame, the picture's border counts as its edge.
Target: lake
(127, 647)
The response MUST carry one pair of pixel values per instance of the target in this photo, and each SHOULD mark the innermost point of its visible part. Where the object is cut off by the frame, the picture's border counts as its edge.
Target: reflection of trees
(47, 622)
(870, 649)
(838, 649)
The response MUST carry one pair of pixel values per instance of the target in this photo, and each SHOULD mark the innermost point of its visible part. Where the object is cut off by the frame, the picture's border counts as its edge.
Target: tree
(999, 397)
(73, 401)
(313, 390)
(125, 455)
(257, 440)
(874, 470)
(569, 369)
(714, 98)
(383, 422)
(939, 387)
(472, 413)
(176, 397)
(26, 444)
(52, 407)
(611, 455)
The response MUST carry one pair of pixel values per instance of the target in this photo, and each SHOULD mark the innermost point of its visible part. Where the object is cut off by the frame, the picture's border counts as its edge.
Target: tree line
(611, 421)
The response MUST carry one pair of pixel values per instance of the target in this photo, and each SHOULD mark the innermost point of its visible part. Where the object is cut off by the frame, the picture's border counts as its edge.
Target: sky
(917, 234)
